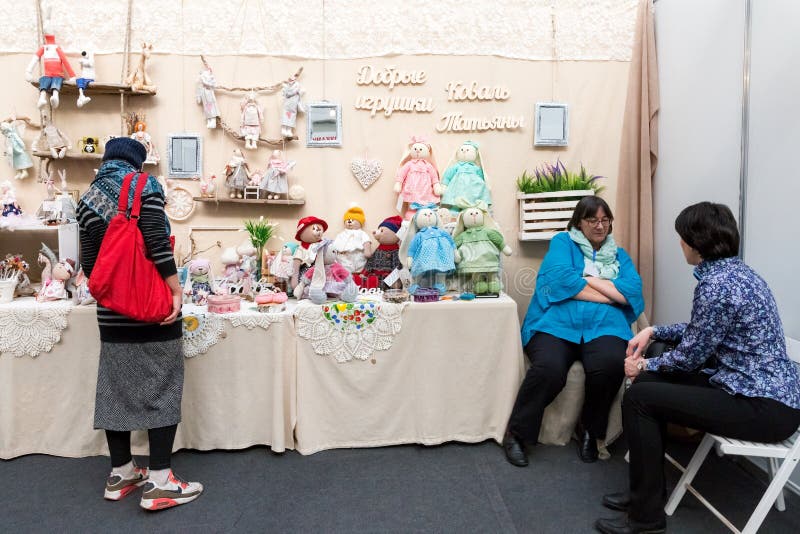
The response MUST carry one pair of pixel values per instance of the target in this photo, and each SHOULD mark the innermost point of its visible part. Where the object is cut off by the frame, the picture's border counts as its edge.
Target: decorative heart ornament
(366, 171)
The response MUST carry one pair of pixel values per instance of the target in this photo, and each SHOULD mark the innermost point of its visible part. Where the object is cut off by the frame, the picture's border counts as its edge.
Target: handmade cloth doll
(274, 181)
(281, 266)
(140, 134)
(82, 296)
(385, 259)
(352, 244)
(309, 233)
(252, 117)
(291, 106)
(18, 156)
(205, 96)
(247, 266)
(417, 179)
(326, 278)
(237, 174)
(230, 273)
(138, 78)
(55, 275)
(478, 247)
(8, 197)
(55, 64)
(464, 178)
(199, 282)
(51, 139)
(208, 189)
(427, 250)
(87, 77)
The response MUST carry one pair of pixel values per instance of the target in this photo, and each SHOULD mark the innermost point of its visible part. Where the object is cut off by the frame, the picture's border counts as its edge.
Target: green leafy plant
(260, 232)
(555, 177)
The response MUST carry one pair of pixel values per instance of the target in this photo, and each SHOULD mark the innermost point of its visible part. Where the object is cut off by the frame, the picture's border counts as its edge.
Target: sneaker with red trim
(174, 493)
(117, 486)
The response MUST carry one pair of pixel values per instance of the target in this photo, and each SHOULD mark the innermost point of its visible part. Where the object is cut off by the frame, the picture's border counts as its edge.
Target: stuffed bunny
(54, 63)
(252, 117)
(230, 274)
(326, 278)
(292, 105)
(204, 95)
(199, 283)
(237, 174)
(464, 178)
(55, 276)
(87, 77)
(281, 266)
(417, 179)
(478, 247)
(274, 182)
(385, 259)
(82, 296)
(427, 250)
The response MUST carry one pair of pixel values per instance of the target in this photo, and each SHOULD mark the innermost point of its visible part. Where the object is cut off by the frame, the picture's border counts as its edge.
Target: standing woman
(140, 377)
(749, 391)
(588, 293)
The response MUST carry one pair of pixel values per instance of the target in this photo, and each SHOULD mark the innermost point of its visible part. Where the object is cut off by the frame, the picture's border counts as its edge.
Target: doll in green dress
(478, 247)
(465, 178)
(17, 154)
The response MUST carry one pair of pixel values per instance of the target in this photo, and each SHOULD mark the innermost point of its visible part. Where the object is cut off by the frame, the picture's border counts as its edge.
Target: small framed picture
(551, 124)
(324, 123)
(185, 155)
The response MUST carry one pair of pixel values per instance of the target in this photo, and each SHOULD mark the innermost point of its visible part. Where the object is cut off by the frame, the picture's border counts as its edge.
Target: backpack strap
(137, 197)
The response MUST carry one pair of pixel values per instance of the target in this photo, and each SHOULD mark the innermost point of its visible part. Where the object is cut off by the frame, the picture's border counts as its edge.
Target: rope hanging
(258, 89)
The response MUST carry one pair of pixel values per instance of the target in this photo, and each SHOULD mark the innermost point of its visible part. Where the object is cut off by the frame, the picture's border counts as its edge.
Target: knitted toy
(87, 77)
(309, 232)
(417, 179)
(326, 278)
(427, 250)
(385, 259)
(252, 117)
(478, 247)
(146, 139)
(274, 181)
(18, 156)
(199, 283)
(291, 106)
(464, 178)
(281, 266)
(8, 198)
(237, 174)
(51, 139)
(205, 96)
(55, 63)
(352, 244)
(138, 78)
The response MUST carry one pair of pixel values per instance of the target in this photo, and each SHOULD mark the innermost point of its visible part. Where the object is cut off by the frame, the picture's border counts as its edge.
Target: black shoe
(515, 450)
(617, 501)
(622, 525)
(587, 448)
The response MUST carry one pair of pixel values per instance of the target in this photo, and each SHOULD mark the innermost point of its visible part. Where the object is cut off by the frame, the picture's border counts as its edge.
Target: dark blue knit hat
(127, 149)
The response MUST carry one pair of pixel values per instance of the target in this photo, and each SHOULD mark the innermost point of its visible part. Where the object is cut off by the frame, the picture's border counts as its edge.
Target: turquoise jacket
(554, 311)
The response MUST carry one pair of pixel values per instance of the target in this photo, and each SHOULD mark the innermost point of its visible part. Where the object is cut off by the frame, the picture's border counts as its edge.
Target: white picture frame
(551, 124)
(324, 124)
(185, 155)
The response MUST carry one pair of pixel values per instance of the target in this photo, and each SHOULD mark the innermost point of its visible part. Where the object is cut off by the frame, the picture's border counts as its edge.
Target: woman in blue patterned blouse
(729, 373)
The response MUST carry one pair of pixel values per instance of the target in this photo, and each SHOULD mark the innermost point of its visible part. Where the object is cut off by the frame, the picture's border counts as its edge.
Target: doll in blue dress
(427, 250)
(465, 178)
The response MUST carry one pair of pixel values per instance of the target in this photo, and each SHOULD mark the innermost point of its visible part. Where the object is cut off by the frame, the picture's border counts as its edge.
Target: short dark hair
(587, 207)
(710, 229)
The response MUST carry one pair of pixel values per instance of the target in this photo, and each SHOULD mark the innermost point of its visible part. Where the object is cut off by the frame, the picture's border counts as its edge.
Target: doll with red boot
(309, 234)
(385, 259)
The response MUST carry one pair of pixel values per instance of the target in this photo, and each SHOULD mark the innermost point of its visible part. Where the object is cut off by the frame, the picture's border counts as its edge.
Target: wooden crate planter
(543, 215)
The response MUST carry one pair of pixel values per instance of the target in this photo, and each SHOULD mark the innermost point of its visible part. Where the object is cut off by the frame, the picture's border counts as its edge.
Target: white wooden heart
(366, 171)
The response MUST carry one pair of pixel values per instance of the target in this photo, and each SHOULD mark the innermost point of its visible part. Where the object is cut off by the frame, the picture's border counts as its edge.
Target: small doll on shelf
(252, 118)
(326, 278)
(478, 247)
(230, 274)
(417, 179)
(237, 174)
(55, 275)
(18, 157)
(138, 78)
(55, 64)
(140, 134)
(291, 106)
(87, 77)
(208, 189)
(309, 233)
(51, 139)
(8, 197)
(352, 244)
(281, 266)
(199, 282)
(427, 250)
(464, 178)
(274, 182)
(206, 97)
(385, 259)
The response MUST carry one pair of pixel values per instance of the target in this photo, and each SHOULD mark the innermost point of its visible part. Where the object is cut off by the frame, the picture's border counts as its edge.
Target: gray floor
(450, 488)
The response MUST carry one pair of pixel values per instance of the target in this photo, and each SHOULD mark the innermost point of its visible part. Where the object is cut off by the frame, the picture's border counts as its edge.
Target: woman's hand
(634, 366)
(638, 344)
(177, 303)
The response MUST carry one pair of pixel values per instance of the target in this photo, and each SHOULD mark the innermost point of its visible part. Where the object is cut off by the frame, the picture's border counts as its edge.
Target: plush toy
(230, 274)
(417, 179)
(274, 181)
(252, 117)
(208, 189)
(309, 232)
(385, 259)
(140, 134)
(464, 178)
(55, 64)
(427, 250)
(55, 275)
(205, 95)
(199, 283)
(17, 154)
(237, 174)
(281, 266)
(82, 296)
(138, 79)
(247, 266)
(326, 278)
(291, 106)
(478, 247)
(8, 198)
(87, 77)
(352, 244)
(51, 139)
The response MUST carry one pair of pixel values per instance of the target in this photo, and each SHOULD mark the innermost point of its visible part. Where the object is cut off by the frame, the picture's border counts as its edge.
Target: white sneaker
(118, 486)
(174, 493)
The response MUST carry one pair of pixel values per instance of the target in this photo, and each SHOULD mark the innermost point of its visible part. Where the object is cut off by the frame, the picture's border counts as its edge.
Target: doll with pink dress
(417, 180)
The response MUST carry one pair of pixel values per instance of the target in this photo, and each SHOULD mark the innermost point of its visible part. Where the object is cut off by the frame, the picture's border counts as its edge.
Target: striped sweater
(113, 326)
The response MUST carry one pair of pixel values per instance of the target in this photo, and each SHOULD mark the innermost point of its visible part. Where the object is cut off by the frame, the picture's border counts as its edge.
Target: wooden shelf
(69, 88)
(250, 201)
(78, 155)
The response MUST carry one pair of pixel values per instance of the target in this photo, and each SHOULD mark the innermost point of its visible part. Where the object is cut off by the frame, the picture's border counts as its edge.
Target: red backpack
(124, 279)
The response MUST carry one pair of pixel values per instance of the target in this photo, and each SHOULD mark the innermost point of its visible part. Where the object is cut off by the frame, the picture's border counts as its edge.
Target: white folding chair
(788, 451)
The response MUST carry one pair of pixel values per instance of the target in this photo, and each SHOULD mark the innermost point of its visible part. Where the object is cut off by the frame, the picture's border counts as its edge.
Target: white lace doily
(30, 327)
(252, 320)
(201, 331)
(346, 340)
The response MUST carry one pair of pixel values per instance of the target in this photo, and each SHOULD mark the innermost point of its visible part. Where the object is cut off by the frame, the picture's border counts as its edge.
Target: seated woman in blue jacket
(588, 293)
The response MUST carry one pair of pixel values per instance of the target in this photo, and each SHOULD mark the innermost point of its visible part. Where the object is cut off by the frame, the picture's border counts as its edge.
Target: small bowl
(395, 295)
(426, 294)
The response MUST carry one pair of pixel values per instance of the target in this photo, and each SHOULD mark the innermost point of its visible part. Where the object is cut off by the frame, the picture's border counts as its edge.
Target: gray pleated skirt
(139, 385)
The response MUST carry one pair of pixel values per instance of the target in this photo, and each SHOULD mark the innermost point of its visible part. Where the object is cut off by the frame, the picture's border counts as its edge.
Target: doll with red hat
(386, 257)
(309, 233)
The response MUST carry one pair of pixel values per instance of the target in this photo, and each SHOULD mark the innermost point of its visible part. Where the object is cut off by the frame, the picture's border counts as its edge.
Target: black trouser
(688, 399)
(161, 439)
(551, 357)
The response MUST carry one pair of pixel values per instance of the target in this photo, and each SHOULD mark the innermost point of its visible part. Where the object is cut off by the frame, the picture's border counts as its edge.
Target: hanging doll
(51, 139)
(140, 134)
(87, 77)
(427, 250)
(206, 97)
(417, 179)
(352, 244)
(138, 79)
(291, 106)
(199, 282)
(237, 174)
(326, 278)
(281, 266)
(478, 247)
(18, 156)
(464, 178)
(385, 259)
(274, 181)
(8, 197)
(55, 275)
(309, 233)
(252, 117)
(54, 62)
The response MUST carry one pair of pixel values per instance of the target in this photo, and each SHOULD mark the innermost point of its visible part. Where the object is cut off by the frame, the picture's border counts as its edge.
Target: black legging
(161, 440)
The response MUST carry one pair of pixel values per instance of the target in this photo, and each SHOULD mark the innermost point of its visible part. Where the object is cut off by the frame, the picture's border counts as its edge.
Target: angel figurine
(274, 181)
(292, 91)
(18, 156)
(140, 134)
(237, 174)
(252, 117)
(206, 96)
(51, 139)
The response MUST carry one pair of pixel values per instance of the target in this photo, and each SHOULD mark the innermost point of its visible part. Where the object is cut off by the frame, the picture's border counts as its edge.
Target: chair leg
(780, 503)
(775, 487)
(688, 475)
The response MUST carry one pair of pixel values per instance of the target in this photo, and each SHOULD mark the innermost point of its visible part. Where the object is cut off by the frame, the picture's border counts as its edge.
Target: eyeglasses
(605, 221)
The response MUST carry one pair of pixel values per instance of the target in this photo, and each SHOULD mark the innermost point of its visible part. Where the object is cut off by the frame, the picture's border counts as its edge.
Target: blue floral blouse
(735, 318)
